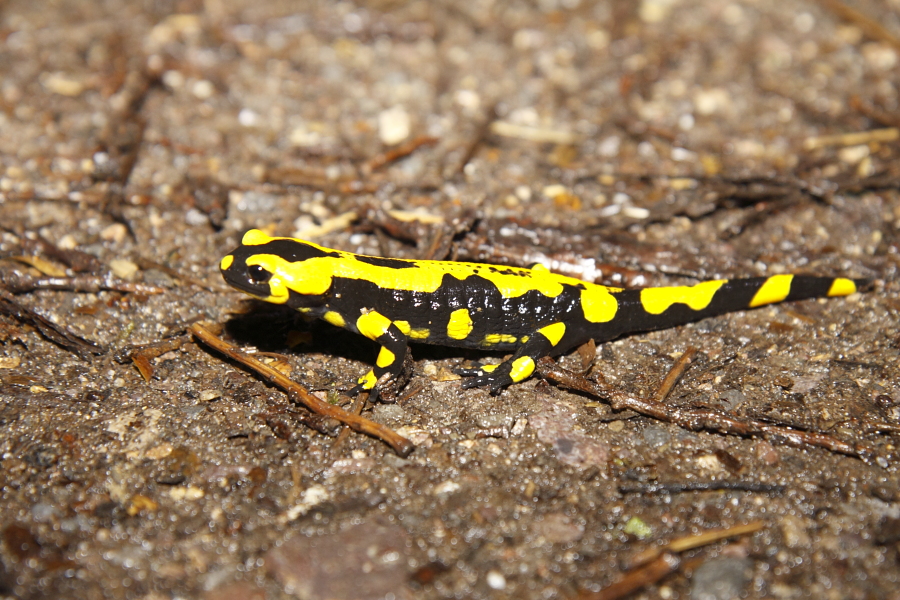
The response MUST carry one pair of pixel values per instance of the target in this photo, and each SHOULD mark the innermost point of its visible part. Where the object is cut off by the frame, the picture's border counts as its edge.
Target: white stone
(393, 125)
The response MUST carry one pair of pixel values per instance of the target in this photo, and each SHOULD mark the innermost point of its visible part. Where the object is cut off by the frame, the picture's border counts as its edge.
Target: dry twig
(651, 565)
(638, 579)
(869, 26)
(19, 283)
(142, 355)
(395, 154)
(400, 444)
(702, 419)
(55, 333)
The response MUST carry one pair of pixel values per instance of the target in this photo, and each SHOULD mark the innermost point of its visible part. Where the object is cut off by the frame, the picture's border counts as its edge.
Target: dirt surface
(675, 139)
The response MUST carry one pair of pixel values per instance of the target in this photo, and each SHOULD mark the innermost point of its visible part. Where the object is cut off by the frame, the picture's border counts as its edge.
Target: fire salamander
(529, 312)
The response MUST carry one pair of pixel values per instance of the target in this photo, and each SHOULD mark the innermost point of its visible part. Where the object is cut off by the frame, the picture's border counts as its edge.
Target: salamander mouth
(251, 280)
(245, 285)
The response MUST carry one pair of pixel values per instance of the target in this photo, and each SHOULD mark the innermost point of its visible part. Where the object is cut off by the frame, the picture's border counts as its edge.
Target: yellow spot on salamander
(226, 262)
(334, 318)
(368, 380)
(460, 324)
(492, 339)
(842, 287)
(598, 303)
(774, 289)
(697, 297)
(488, 368)
(255, 237)
(373, 325)
(522, 368)
(420, 333)
(553, 332)
(385, 358)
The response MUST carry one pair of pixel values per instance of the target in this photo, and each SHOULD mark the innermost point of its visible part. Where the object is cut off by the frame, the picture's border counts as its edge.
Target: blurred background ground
(675, 139)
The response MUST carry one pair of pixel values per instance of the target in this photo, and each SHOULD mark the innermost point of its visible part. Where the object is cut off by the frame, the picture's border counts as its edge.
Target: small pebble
(635, 212)
(721, 579)
(709, 462)
(468, 99)
(209, 395)
(656, 436)
(609, 147)
(67, 242)
(393, 125)
(161, 451)
(552, 191)
(173, 79)
(247, 117)
(519, 427)
(523, 193)
(203, 89)
(62, 85)
(853, 154)
(880, 56)
(496, 580)
(43, 512)
(303, 137)
(616, 426)
(711, 101)
(195, 218)
(123, 268)
(117, 232)
(655, 11)
(445, 487)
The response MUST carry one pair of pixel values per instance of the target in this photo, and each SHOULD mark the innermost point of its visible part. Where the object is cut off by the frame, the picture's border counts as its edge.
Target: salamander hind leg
(520, 366)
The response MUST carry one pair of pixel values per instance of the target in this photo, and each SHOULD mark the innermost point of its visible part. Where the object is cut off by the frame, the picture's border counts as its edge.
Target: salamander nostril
(258, 274)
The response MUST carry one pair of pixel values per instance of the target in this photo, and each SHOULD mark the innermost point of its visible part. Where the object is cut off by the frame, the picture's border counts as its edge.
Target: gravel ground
(675, 139)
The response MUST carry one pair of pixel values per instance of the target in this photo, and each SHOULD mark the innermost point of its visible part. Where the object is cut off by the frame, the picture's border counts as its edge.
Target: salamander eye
(258, 274)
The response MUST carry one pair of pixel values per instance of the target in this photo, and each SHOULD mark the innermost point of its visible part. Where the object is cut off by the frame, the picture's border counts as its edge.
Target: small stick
(875, 113)
(76, 260)
(478, 139)
(395, 154)
(871, 27)
(696, 420)
(142, 355)
(19, 283)
(702, 486)
(356, 409)
(57, 334)
(689, 542)
(654, 563)
(534, 134)
(855, 138)
(675, 374)
(637, 579)
(400, 444)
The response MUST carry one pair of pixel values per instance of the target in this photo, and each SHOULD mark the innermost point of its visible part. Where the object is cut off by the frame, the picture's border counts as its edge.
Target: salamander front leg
(391, 357)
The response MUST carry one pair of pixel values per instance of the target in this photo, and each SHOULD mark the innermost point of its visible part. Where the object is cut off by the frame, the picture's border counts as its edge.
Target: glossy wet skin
(531, 312)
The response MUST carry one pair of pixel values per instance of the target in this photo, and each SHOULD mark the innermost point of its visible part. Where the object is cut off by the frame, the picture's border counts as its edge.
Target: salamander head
(279, 270)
